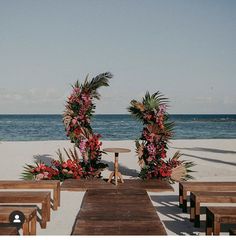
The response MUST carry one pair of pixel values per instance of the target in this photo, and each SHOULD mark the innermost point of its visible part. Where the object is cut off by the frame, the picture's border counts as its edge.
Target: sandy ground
(215, 159)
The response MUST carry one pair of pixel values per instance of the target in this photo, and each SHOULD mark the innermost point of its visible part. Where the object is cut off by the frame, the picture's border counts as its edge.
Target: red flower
(165, 171)
(163, 154)
(77, 131)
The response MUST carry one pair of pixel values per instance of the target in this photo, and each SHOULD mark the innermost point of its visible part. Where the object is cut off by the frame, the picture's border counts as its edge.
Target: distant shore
(215, 161)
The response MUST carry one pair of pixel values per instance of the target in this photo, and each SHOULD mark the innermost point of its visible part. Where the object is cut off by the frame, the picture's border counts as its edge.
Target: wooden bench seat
(20, 198)
(8, 230)
(215, 216)
(117, 212)
(185, 187)
(29, 225)
(43, 184)
(197, 198)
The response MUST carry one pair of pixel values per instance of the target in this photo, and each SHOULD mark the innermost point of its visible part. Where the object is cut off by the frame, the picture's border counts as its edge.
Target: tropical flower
(77, 117)
(153, 143)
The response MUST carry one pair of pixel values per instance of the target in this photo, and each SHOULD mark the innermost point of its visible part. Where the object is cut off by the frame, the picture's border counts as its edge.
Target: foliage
(61, 169)
(77, 118)
(152, 145)
(79, 110)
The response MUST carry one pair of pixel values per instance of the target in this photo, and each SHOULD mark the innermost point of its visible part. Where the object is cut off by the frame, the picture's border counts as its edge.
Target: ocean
(115, 127)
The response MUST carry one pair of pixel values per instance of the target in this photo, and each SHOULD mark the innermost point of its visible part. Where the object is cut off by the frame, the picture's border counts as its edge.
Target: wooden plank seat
(8, 230)
(197, 198)
(152, 185)
(117, 212)
(215, 216)
(232, 231)
(185, 187)
(29, 225)
(43, 184)
(22, 197)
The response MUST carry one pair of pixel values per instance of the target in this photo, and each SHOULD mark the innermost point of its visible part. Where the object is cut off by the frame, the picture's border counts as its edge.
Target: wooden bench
(117, 212)
(185, 187)
(30, 197)
(215, 216)
(43, 184)
(29, 225)
(8, 230)
(196, 198)
(232, 231)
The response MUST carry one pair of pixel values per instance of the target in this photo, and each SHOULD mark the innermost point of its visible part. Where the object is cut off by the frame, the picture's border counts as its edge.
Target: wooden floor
(117, 212)
(85, 184)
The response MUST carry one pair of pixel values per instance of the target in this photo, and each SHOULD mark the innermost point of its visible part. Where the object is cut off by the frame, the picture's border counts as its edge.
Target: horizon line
(117, 114)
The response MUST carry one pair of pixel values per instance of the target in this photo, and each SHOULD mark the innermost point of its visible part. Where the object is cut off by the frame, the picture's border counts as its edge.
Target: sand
(215, 159)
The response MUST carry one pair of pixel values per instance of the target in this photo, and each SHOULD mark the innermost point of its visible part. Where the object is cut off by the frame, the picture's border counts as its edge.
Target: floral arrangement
(59, 169)
(152, 146)
(77, 118)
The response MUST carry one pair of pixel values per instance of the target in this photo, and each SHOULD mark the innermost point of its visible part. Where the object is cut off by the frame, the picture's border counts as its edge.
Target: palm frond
(135, 110)
(153, 101)
(60, 156)
(101, 80)
(72, 155)
(26, 174)
(67, 154)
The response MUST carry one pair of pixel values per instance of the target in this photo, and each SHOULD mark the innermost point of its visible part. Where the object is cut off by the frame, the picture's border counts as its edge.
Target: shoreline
(214, 158)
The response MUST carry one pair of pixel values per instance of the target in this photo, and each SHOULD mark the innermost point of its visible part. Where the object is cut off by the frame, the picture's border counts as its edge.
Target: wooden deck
(85, 184)
(117, 212)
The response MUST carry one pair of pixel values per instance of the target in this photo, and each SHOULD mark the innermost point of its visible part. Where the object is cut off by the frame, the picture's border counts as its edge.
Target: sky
(185, 49)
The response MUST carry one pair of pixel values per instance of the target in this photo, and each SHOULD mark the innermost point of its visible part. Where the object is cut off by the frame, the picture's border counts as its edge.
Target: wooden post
(116, 168)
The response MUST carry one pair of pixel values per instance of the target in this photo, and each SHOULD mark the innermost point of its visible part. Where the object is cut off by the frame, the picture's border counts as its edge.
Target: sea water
(115, 127)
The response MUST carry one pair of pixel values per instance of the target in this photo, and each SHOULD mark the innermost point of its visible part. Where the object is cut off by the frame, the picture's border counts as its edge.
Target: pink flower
(162, 108)
(74, 121)
(76, 91)
(39, 176)
(64, 171)
(82, 146)
(151, 149)
(45, 175)
(149, 159)
(64, 165)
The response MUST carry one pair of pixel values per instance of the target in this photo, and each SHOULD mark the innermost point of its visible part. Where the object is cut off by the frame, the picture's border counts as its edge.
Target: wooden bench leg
(216, 227)
(209, 223)
(184, 209)
(26, 228)
(197, 214)
(192, 208)
(44, 214)
(55, 199)
(59, 195)
(48, 202)
(180, 196)
(33, 225)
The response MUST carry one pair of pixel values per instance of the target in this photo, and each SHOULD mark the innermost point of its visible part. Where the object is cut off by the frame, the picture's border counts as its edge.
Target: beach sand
(215, 161)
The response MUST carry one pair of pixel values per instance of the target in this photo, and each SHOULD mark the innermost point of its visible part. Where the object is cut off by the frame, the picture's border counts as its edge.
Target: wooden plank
(117, 212)
(18, 198)
(119, 228)
(185, 187)
(8, 230)
(196, 198)
(29, 226)
(31, 184)
(215, 216)
(85, 184)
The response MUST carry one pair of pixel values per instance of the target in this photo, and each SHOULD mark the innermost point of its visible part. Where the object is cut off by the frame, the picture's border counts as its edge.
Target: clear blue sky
(184, 48)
